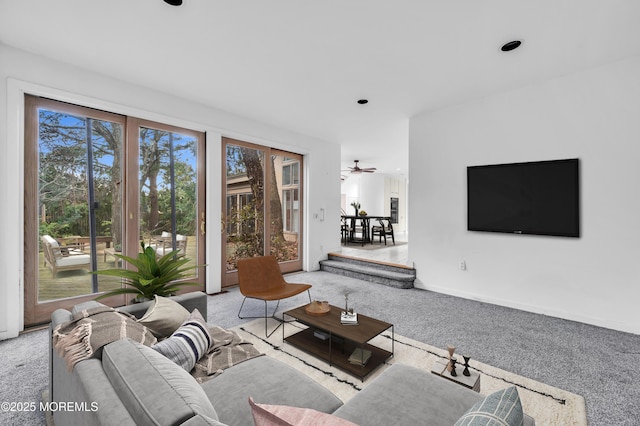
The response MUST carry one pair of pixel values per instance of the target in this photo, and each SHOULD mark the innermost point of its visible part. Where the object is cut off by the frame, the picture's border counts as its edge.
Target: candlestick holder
(466, 365)
(451, 350)
(453, 367)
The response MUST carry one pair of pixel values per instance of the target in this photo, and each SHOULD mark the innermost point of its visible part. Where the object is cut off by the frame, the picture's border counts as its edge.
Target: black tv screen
(541, 198)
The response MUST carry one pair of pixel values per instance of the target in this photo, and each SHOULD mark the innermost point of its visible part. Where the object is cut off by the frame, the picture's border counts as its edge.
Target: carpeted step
(387, 274)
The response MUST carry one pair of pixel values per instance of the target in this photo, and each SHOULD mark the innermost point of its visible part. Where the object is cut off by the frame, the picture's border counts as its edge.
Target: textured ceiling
(302, 65)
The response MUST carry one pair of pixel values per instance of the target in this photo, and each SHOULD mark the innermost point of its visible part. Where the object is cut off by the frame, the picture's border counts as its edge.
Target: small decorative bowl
(317, 308)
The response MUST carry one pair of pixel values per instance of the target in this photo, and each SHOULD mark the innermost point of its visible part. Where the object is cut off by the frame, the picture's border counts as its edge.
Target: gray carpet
(597, 363)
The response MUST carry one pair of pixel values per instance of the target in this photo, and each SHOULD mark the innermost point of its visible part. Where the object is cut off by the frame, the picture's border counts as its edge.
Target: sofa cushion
(152, 388)
(269, 381)
(501, 408)
(188, 343)
(283, 415)
(164, 316)
(406, 395)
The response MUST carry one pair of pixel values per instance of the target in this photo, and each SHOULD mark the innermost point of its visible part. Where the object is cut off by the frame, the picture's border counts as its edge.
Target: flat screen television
(540, 198)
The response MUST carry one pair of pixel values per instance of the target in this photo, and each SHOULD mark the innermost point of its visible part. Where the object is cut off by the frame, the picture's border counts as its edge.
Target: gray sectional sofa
(134, 385)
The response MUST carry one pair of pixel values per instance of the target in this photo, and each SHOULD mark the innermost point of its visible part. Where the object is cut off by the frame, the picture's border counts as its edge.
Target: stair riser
(368, 277)
(373, 265)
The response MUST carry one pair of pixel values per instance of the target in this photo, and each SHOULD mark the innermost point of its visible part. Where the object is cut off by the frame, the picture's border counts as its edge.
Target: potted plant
(154, 276)
(356, 206)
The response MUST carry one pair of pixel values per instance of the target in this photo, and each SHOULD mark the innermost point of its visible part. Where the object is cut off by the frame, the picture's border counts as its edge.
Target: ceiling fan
(357, 169)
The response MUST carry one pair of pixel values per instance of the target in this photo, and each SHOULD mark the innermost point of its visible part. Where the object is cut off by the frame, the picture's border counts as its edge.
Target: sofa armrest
(413, 395)
(86, 385)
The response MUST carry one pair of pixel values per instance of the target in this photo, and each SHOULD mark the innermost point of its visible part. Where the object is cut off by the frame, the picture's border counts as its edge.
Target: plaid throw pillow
(188, 343)
(501, 408)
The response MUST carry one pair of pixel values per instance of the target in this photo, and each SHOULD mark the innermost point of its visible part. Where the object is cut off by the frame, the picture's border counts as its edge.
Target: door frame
(229, 279)
(35, 312)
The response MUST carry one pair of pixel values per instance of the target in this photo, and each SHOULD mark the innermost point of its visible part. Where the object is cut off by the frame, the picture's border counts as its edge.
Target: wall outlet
(463, 265)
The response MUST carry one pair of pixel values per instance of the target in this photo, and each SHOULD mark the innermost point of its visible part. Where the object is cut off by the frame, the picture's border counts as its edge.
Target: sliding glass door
(262, 206)
(171, 213)
(73, 202)
(92, 193)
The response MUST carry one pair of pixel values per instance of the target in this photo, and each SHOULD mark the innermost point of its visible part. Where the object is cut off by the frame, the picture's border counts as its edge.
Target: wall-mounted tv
(540, 198)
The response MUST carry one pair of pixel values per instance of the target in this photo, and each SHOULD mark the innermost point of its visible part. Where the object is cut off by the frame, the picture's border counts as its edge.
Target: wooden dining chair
(346, 230)
(383, 230)
(260, 278)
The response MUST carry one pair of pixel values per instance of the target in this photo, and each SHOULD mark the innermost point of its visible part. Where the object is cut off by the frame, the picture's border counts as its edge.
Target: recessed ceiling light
(363, 101)
(507, 47)
(174, 2)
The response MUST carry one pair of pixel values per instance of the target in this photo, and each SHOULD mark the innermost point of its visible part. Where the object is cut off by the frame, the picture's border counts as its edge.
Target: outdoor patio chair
(164, 244)
(63, 258)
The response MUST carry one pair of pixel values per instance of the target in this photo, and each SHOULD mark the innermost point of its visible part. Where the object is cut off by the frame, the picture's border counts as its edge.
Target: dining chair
(382, 230)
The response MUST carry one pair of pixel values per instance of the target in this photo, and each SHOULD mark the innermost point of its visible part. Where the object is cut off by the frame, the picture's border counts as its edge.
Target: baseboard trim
(595, 321)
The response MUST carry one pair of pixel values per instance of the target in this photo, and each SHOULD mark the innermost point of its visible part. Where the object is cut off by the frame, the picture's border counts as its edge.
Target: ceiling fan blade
(357, 169)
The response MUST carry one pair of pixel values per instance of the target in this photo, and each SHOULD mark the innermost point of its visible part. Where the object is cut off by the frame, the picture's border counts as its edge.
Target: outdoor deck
(78, 282)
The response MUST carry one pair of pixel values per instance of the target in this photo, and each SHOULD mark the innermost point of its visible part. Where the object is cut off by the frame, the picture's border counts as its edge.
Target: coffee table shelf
(342, 339)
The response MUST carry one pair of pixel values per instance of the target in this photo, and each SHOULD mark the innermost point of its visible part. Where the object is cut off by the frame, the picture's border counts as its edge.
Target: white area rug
(546, 404)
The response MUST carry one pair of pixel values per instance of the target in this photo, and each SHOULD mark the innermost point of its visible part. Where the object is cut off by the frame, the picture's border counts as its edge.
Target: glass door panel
(168, 180)
(262, 209)
(245, 214)
(74, 198)
(285, 208)
(80, 202)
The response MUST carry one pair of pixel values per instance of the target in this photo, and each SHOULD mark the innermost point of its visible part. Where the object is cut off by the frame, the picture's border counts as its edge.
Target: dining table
(361, 223)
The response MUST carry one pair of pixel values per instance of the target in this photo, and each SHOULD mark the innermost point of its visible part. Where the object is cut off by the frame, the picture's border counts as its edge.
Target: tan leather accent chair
(260, 278)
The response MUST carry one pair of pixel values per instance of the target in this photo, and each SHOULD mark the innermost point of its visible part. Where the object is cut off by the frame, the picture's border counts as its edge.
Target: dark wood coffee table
(341, 340)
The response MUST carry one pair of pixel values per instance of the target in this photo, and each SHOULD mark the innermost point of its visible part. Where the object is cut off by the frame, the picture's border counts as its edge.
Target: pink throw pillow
(282, 415)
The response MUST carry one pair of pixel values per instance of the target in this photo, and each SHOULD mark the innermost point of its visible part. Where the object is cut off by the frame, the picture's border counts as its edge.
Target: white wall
(21, 72)
(593, 115)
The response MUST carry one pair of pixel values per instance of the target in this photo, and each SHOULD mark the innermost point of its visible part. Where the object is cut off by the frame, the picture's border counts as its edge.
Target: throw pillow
(188, 343)
(282, 415)
(164, 316)
(501, 408)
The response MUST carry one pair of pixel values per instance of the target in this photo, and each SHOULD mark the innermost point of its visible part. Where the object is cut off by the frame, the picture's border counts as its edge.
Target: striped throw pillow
(188, 343)
(501, 408)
